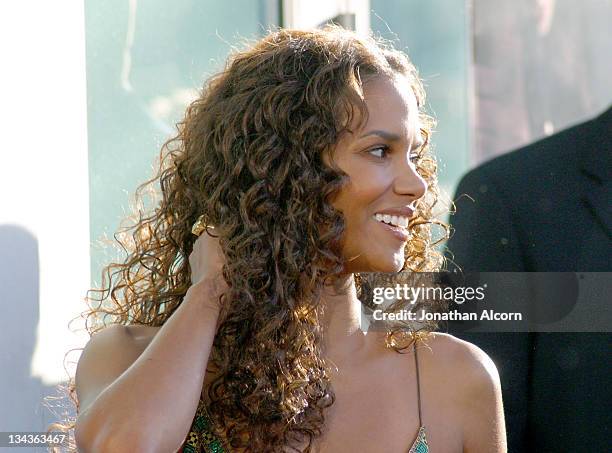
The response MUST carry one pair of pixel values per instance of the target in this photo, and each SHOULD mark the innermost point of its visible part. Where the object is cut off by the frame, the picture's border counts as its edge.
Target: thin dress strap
(416, 361)
(420, 444)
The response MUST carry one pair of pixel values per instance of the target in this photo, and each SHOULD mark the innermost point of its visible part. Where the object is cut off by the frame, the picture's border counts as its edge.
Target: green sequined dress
(200, 438)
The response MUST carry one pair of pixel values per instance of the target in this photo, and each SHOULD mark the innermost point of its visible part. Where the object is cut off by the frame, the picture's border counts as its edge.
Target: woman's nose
(409, 182)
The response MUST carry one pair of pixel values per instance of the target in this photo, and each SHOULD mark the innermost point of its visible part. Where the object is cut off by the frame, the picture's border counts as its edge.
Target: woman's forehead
(392, 107)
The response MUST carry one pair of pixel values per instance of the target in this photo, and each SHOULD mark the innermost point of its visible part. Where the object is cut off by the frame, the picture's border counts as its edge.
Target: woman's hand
(206, 263)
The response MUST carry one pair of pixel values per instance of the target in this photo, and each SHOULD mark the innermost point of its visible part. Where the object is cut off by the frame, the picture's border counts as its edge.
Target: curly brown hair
(248, 155)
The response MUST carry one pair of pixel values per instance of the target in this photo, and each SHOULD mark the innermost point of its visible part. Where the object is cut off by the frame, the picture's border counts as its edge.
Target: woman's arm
(149, 406)
(484, 428)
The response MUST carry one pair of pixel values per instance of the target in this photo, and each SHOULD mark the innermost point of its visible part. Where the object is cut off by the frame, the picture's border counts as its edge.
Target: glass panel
(144, 62)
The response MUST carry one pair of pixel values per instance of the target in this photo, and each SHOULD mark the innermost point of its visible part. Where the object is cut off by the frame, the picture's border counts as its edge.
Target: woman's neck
(343, 339)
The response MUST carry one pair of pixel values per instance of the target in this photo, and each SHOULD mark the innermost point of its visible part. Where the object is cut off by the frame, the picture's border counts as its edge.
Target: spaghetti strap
(420, 444)
(416, 361)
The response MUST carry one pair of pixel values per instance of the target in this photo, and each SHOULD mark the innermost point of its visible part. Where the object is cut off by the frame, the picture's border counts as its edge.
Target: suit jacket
(545, 208)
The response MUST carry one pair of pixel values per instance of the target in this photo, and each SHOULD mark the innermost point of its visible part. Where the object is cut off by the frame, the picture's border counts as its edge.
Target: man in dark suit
(545, 208)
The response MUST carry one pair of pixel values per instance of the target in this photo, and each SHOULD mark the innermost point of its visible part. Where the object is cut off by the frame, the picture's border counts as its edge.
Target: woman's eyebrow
(384, 134)
(393, 137)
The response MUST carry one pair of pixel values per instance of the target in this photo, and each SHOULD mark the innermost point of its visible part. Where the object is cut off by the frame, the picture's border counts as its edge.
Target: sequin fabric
(420, 444)
(200, 438)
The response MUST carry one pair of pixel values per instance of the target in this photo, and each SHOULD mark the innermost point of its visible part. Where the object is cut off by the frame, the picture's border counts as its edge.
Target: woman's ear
(327, 156)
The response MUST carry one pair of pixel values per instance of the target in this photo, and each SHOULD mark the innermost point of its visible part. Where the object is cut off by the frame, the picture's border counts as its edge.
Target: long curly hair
(248, 155)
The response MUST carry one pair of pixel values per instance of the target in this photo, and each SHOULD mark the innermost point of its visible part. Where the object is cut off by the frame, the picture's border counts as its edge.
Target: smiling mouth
(400, 233)
(392, 220)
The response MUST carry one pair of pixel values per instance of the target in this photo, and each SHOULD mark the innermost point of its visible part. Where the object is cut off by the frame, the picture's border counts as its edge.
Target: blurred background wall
(93, 89)
(539, 66)
(44, 205)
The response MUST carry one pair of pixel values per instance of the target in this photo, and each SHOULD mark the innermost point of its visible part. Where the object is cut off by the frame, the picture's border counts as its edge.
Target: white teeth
(392, 219)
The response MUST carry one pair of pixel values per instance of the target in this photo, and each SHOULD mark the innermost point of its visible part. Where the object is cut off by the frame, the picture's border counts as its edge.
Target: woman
(293, 161)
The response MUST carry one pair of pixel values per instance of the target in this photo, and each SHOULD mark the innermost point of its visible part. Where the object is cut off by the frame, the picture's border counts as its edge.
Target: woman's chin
(389, 267)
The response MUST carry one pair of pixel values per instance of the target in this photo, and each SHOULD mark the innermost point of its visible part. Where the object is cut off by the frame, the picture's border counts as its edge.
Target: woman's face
(379, 160)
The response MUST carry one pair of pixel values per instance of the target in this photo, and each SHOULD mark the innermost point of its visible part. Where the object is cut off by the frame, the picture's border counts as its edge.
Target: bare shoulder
(107, 354)
(465, 370)
(473, 382)
(459, 356)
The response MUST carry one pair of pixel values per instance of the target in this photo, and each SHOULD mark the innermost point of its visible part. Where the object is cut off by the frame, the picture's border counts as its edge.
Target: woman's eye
(414, 157)
(384, 150)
